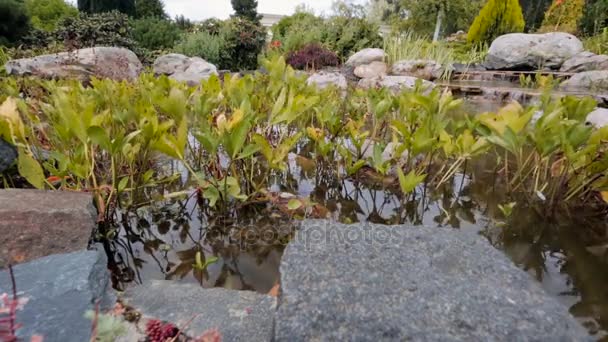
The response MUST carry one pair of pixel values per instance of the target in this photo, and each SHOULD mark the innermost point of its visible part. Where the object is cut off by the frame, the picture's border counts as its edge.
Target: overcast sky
(202, 9)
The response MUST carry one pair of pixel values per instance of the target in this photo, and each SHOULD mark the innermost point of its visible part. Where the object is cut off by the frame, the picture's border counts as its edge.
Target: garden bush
(595, 17)
(563, 16)
(14, 22)
(150, 9)
(346, 36)
(101, 6)
(210, 47)
(155, 33)
(107, 29)
(496, 18)
(244, 42)
(312, 56)
(45, 14)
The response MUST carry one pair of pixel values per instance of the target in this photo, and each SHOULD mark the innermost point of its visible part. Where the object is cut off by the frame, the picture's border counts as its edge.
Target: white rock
(191, 70)
(421, 68)
(598, 118)
(532, 51)
(366, 56)
(395, 83)
(585, 61)
(323, 79)
(374, 69)
(597, 80)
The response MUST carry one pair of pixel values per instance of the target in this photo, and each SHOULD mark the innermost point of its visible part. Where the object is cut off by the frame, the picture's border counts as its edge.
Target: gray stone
(191, 70)
(238, 315)
(585, 61)
(374, 69)
(37, 223)
(420, 68)
(367, 282)
(395, 83)
(517, 51)
(324, 79)
(596, 80)
(598, 118)
(366, 56)
(103, 62)
(8, 154)
(57, 291)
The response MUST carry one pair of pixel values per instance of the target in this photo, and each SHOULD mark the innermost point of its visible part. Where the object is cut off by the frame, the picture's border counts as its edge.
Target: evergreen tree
(496, 18)
(595, 17)
(246, 9)
(14, 21)
(149, 9)
(100, 6)
(534, 13)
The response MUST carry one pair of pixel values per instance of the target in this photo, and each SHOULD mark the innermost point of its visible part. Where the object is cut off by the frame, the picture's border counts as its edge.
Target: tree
(100, 6)
(534, 13)
(45, 14)
(149, 9)
(14, 22)
(595, 17)
(155, 33)
(496, 18)
(246, 9)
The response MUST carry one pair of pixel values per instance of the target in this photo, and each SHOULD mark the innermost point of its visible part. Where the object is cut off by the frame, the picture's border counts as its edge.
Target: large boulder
(36, 223)
(191, 70)
(56, 291)
(371, 70)
(367, 282)
(237, 315)
(366, 56)
(585, 61)
(8, 154)
(102, 62)
(420, 68)
(395, 83)
(324, 79)
(597, 80)
(598, 118)
(521, 51)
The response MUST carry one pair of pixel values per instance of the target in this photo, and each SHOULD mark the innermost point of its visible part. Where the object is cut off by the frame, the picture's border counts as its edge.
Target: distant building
(270, 19)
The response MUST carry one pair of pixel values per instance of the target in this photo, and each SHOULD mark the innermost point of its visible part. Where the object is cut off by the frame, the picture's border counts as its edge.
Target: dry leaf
(604, 196)
(274, 291)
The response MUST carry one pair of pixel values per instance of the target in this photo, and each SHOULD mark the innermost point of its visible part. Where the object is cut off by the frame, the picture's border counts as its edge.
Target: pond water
(566, 250)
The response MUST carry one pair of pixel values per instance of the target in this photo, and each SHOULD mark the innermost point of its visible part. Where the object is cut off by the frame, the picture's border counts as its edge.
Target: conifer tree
(99, 6)
(496, 18)
(246, 9)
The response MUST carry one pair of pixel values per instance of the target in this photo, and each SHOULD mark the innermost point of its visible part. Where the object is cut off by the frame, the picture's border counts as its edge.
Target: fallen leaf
(274, 291)
(604, 196)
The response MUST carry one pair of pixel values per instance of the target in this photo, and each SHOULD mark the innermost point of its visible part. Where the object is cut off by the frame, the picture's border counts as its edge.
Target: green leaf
(294, 204)
(410, 181)
(98, 136)
(30, 169)
(122, 184)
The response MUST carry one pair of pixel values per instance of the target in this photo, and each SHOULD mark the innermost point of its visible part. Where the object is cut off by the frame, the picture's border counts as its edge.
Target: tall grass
(598, 44)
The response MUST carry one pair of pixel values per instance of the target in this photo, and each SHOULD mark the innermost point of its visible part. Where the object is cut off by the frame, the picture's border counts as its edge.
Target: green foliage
(183, 23)
(298, 30)
(246, 9)
(422, 17)
(534, 13)
(45, 14)
(100, 6)
(563, 16)
(108, 328)
(14, 21)
(149, 9)
(496, 18)
(597, 44)
(155, 33)
(212, 48)
(345, 36)
(100, 29)
(244, 42)
(595, 17)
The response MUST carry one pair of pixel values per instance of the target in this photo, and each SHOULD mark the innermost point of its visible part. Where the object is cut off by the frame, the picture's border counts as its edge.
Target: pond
(567, 252)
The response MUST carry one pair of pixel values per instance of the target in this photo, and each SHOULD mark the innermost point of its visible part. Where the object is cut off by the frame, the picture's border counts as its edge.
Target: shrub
(210, 47)
(45, 14)
(595, 17)
(14, 22)
(183, 23)
(598, 44)
(244, 42)
(212, 26)
(155, 33)
(108, 29)
(563, 16)
(496, 18)
(150, 9)
(312, 56)
(298, 30)
(534, 13)
(346, 35)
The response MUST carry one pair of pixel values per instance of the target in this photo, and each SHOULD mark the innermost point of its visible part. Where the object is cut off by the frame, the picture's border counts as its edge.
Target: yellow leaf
(9, 113)
(604, 196)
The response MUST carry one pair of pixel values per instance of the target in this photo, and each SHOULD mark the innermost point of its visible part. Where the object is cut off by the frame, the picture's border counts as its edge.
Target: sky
(202, 9)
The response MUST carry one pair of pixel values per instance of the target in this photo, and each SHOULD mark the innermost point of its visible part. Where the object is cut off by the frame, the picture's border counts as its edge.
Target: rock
(395, 83)
(596, 80)
(521, 51)
(238, 315)
(324, 79)
(367, 282)
(102, 62)
(585, 61)
(374, 69)
(8, 154)
(38, 223)
(59, 289)
(366, 56)
(425, 69)
(598, 118)
(191, 70)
